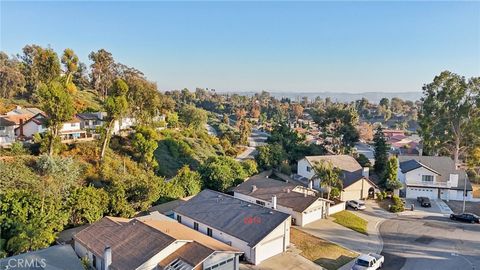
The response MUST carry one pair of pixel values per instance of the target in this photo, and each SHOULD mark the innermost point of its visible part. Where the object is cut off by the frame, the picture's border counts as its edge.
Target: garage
(269, 249)
(312, 215)
(414, 192)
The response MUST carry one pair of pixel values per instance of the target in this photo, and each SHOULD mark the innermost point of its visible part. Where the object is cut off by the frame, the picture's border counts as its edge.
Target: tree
(193, 117)
(87, 204)
(80, 77)
(363, 160)
(70, 61)
(116, 106)
(384, 102)
(365, 131)
(58, 105)
(391, 174)
(12, 81)
(450, 115)
(381, 152)
(221, 173)
(145, 143)
(328, 175)
(297, 111)
(190, 181)
(172, 119)
(245, 129)
(271, 156)
(250, 167)
(47, 65)
(103, 71)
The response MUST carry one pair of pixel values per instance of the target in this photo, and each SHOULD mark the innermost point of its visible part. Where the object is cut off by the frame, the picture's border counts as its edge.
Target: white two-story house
(433, 177)
(70, 130)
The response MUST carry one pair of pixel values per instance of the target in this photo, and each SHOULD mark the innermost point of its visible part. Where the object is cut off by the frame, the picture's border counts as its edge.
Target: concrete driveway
(439, 207)
(430, 243)
(290, 260)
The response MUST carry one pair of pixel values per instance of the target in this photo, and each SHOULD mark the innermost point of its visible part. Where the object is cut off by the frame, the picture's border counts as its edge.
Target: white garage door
(312, 216)
(414, 192)
(269, 249)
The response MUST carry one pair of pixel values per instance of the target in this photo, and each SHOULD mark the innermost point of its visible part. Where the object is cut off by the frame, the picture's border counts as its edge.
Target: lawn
(326, 254)
(351, 221)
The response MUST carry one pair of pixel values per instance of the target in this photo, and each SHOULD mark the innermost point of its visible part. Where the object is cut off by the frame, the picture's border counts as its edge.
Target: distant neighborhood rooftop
(227, 214)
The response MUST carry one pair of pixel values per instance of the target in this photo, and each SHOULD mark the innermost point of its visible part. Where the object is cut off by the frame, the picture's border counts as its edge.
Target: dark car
(424, 201)
(466, 217)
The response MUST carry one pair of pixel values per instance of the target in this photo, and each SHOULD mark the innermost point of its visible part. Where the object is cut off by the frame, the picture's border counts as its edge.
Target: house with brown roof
(355, 179)
(8, 124)
(303, 204)
(151, 242)
(70, 130)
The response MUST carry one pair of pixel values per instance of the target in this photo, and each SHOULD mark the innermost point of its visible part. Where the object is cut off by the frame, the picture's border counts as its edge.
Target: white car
(369, 261)
(356, 204)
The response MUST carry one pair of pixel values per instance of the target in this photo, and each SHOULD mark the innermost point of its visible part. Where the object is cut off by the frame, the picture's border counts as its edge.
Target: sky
(356, 47)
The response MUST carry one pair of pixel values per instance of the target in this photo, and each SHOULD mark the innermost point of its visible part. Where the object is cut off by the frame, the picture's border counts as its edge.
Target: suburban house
(355, 179)
(151, 242)
(12, 120)
(52, 258)
(70, 130)
(92, 122)
(257, 231)
(388, 133)
(433, 177)
(302, 203)
(124, 124)
(7, 131)
(405, 145)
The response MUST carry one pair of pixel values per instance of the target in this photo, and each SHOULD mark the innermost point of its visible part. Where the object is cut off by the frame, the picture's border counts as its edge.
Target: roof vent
(254, 188)
(288, 190)
(271, 212)
(249, 205)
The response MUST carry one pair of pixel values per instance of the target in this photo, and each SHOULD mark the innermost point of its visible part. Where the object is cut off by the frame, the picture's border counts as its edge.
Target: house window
(179, 219)
(209, 232)
(309, 169)
(72, 125)
(195, 226)
(2, 128)
(260, 202)
(427, 178)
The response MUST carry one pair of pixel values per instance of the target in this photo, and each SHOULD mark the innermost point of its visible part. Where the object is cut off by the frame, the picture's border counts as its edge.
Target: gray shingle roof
(58, 257)
(265, 188)
(227, 214)
(441, 165)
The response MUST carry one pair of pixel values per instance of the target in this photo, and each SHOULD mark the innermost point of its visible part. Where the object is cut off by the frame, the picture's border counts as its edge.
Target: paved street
(430, 242)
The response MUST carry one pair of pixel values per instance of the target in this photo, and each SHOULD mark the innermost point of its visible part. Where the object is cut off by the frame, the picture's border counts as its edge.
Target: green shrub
(397, 205)
(379, 196)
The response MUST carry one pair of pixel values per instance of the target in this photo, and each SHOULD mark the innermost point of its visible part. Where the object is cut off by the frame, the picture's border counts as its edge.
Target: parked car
(465, 217)
(424, 201)
(369, 261)
(356, 204)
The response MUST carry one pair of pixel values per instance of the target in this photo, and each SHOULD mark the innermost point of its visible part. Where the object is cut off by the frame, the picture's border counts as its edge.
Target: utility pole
(464, 193)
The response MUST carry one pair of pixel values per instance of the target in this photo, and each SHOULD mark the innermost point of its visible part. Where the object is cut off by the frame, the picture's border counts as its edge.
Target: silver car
(356, 204)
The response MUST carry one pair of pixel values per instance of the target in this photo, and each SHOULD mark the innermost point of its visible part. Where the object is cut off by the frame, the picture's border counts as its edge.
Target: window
(260, 202)
(309, 169)
(2, 128)
(427, 178)
(179, 219)
(72, 125)
(195, 226)
(94, 261)
(209, 232)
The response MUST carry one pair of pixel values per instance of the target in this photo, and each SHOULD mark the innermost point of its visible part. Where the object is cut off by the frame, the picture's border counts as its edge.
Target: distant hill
(343, 97)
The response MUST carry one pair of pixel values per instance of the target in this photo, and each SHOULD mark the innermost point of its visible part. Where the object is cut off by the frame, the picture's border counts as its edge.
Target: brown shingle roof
(132, 242)
(265, 188)
(192, 253)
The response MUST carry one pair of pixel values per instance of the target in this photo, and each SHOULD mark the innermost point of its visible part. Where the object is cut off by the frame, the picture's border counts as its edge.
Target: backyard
(324, 253)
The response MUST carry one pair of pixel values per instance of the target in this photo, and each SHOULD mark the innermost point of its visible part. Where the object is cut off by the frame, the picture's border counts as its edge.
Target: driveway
(289, 260)
(430, 242)
(438, 208)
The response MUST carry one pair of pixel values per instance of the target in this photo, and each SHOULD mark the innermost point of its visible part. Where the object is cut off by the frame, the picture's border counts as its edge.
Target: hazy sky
(249, 46)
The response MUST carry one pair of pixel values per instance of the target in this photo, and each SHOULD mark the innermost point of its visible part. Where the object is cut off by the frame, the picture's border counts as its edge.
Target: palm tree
(328, 175)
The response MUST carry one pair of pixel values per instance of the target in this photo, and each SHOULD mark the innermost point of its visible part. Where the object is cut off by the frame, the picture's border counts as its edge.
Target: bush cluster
(397, 205)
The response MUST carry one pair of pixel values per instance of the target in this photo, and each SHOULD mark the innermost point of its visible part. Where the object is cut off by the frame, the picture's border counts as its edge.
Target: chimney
(453, 180)
(366, 172)
(107, 258)
(254, 188)
(274, 202)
